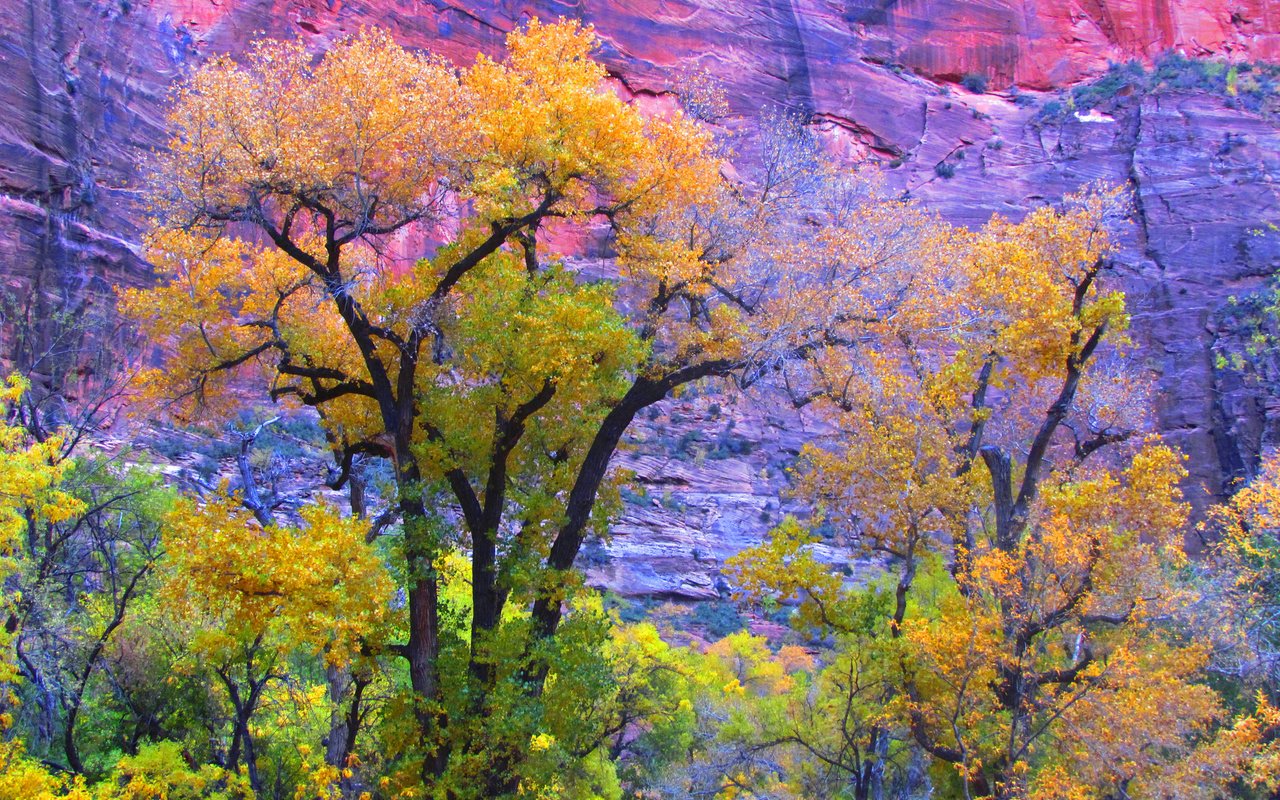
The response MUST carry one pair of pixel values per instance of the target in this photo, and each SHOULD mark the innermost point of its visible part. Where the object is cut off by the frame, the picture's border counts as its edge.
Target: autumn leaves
(1028, 638)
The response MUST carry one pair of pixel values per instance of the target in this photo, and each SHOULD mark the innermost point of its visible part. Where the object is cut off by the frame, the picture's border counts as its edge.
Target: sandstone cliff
(84, 82)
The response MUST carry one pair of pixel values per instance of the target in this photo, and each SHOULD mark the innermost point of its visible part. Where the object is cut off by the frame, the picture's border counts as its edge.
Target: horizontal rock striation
(84, 83)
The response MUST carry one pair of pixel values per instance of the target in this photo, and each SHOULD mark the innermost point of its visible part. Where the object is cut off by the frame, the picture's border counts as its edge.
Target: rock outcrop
(84, 83)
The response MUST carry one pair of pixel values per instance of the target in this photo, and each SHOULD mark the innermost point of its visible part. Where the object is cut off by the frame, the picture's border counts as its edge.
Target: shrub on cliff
(975, 82)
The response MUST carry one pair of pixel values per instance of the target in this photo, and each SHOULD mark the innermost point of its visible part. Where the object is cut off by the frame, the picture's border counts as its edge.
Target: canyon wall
(83, 84)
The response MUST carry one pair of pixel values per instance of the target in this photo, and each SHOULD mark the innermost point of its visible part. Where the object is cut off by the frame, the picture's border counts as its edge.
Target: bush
(1250, 86)
(204, 451)
(780, 615)
(1103, 90)
(728, 445)
(975, 82)
(684, 447)
(720, 618)
(670, 502)
(593, 553)
(945, 170)
(1023, 100)
(629, 611)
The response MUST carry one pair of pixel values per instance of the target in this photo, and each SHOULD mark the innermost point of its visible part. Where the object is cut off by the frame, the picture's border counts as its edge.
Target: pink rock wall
(83, 82)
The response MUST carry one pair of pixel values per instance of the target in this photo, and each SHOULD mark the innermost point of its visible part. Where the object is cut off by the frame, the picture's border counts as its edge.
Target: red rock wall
(1046, 44)
(1035, 43)
(84, 79)
(82, 84)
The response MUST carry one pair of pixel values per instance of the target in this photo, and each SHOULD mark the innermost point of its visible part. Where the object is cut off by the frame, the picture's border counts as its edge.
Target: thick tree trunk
(423, 648)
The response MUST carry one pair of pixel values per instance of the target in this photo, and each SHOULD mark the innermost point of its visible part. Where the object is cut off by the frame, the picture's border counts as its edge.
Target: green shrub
(594, 553)
(720, 618)
(975, 82)
(638, 497)
(728, 445)
(629, 611)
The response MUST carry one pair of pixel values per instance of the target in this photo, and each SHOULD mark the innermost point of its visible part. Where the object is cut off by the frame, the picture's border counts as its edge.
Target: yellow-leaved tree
(29, 490)
(991, 449)
(496, 377)
(252, 598)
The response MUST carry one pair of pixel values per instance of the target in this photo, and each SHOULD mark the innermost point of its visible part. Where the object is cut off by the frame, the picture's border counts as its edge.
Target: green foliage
(1247, 334)
(1118, 78)
(638, 496)
(629, 610)
(975, 82)
(718, 617)
(1250, 86)
(730, 445)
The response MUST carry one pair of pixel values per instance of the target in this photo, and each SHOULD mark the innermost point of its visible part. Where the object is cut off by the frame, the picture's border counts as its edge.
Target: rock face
(84, 82)
(1203, 177)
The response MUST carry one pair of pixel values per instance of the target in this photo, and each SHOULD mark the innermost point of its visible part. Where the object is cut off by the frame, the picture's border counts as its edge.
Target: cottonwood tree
(254, 598)
(990, 449)
(498, 380)
(79, 538)
(1245, 541)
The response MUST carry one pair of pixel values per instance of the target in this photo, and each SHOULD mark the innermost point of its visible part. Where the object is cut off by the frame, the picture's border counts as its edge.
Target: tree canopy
(474, 279)
(496, 378)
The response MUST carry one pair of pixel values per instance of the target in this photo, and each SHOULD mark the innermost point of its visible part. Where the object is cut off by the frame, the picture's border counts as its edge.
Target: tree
(77, 544)
(1245, 536)
(989, 449)
(258, 596)
(29, 491)
(82, 539)
(78, 580)
(497, 380)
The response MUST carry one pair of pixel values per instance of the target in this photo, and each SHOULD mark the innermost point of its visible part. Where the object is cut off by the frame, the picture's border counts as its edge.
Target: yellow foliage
(966, 426)
(29, 481)
(319, 587)
(159, 772)
(23, 778)
(29, 485)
